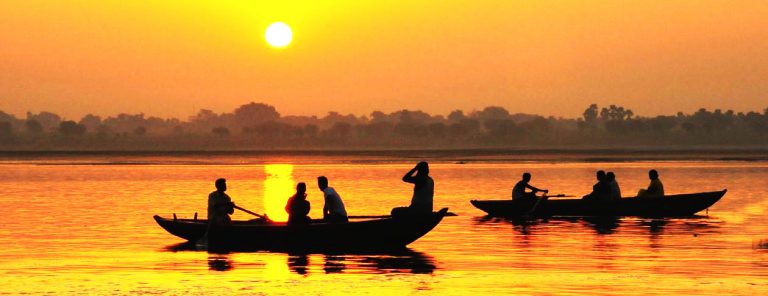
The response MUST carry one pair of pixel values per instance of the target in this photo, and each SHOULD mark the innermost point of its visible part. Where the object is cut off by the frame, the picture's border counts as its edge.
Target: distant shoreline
(440, 155)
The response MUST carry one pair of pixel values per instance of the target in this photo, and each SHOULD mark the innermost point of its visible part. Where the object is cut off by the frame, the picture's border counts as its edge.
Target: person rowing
(220, 205)
(518, 192)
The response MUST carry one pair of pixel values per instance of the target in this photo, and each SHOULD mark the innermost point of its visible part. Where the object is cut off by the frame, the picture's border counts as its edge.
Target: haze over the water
(171, 58)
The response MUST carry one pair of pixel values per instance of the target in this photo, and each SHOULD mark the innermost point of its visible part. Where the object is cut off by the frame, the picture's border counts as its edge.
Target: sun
(278, 34)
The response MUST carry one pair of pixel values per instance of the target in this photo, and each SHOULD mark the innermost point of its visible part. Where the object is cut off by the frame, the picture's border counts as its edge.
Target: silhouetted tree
(220, 131)
(492, 113)
(614, 112)
(492, 126)
(662, 124)
(102, 131)
(311, 130)
(411, 129)
(8, 118)
(268, 130)
(252, 114)
(456, 116)
(33, 126)
(6, 130)
(90, 121)
(340, 130)
(437, 129)
(377, 116)
(378, 129)
(334, 117)
(501, 128)
(47, 120)
(140, 131)
(464, 128)
(590, 114)
(615, 119)
(538, 125)
(292, 131)
(71, 128)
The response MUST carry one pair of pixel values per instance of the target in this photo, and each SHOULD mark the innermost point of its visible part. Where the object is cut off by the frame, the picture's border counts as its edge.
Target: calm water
(84, 225)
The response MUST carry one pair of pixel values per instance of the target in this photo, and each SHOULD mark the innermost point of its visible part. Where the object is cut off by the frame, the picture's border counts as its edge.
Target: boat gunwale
(632, 198)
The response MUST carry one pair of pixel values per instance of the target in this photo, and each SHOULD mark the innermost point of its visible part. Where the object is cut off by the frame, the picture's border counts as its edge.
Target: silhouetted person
(423, 191)
(333, 208)
(518, 192)
(423, 187)
(298, 206)
(655, 189)
(615, 190)
(220, 206)
(601, 191)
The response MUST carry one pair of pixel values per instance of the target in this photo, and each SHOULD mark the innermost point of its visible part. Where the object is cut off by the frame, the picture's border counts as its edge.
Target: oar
(560, 195)
(536, 204)
(249, 212)
(368, 216)
(387, 216)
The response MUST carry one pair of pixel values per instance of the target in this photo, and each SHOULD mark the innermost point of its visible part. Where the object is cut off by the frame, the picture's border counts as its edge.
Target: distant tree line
(261, 126)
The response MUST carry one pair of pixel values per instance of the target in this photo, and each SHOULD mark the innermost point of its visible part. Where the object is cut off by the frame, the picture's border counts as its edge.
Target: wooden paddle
(543, 198)
(249, 212)
(540, 199)
(536, 205)
(560, 195)
(386, 216)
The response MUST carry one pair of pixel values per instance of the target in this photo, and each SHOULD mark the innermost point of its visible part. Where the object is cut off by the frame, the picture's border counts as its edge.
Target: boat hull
(668, 206)
(375, 234)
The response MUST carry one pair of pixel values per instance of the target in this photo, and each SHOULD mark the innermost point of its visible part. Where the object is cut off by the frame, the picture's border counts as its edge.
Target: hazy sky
(170, 58)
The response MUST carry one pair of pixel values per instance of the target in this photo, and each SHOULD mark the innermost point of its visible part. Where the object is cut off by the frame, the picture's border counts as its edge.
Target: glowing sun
(279, 34)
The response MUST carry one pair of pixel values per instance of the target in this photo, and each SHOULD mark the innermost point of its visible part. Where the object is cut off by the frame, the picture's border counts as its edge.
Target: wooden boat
(667, 206)
(374, 234)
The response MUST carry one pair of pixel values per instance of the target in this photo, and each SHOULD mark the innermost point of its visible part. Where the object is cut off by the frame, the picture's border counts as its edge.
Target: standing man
(333, 209)
(518, 192)
(220, 206)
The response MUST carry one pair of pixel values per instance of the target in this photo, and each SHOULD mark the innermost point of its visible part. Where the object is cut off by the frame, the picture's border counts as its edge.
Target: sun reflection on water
(278, 187)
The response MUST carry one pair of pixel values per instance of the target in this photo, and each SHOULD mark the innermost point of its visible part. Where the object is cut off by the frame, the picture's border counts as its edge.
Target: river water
(83, 225)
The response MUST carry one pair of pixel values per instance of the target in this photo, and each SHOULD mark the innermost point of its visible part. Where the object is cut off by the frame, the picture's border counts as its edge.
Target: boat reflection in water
(299, 263)
(694, 225)
(398, 261)
(404, 261)
(219, 262)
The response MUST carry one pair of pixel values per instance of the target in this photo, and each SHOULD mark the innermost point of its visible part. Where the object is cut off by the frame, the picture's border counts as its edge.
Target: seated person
(615, 190)
(601, 191)
(423, 191)
(518, 192)
(655, 189)
(333, 208)
(220, 205)
(298, 206)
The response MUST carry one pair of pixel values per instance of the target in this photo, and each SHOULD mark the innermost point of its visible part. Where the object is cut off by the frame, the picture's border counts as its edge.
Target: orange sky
(170, 58)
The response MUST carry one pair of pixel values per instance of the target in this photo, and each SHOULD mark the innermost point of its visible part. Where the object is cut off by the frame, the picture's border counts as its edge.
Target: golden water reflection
(111, 244)
(278, 187)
